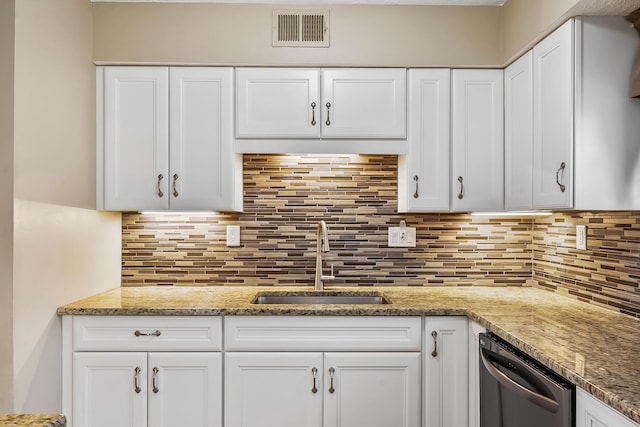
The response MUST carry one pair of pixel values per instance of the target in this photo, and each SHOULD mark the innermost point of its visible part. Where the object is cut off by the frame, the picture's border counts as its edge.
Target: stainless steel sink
(316, 298)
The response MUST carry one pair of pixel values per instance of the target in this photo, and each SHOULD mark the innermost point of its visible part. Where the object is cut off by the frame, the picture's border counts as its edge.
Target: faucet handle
(331, 276)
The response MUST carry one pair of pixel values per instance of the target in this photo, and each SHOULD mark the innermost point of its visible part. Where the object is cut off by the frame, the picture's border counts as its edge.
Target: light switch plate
(402, 237)
(581, 237)
(233, 235)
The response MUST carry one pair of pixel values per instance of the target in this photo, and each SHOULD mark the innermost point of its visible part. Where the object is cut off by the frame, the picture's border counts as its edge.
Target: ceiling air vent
(301, 28)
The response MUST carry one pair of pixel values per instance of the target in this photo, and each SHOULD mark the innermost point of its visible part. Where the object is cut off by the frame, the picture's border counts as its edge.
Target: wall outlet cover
(233, 235)
(402, 237)
(581, 237)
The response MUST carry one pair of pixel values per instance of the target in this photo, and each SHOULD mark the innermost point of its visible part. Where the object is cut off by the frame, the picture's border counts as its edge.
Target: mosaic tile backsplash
(285, 197)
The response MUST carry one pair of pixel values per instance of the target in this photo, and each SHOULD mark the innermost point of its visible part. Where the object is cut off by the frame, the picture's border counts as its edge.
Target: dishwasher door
(516, 391)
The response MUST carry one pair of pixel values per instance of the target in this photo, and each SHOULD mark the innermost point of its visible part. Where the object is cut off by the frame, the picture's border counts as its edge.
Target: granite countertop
(32, 421)
(557, 331)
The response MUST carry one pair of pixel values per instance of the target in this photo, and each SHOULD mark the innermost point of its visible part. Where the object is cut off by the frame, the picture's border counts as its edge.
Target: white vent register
(300, 28)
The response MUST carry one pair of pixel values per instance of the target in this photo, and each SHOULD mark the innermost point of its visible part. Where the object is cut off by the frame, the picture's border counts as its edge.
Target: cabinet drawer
(261, 333)
(135, 333)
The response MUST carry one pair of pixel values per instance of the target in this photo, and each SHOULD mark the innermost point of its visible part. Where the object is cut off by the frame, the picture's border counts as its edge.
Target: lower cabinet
(591, 412)
(446, 372)
(474, 373)
(283, 389)
(138, 389)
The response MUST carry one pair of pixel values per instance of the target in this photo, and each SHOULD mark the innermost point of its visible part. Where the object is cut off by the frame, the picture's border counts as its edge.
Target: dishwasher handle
(532, 396)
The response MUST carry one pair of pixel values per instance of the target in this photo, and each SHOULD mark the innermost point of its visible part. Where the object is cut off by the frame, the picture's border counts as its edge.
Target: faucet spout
(322, 245)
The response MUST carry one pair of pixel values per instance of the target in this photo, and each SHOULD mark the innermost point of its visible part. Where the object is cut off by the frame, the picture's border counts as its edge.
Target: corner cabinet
(446, 372)
(423, 173)
(165, 139)
(326, 371)
(580, 118)
(152, 371)
(477, 162)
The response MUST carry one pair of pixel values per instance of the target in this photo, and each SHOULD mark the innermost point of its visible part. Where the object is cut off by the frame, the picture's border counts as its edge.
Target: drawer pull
(331, 372)
(136, 377)
(147, 334)
(154, 378)
(434, 353)
(314, 371)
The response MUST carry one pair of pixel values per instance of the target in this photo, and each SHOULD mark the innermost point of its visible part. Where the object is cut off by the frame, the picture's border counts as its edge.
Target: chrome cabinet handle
(434, 334)
(415, 179)
(331, 372)
(175, 191)
(461, 193)
(147, 334)
(328, 122)
(314, 371)
(313, 114)
(153, 380)
(560, 169)
(160, 178)
(136, 377)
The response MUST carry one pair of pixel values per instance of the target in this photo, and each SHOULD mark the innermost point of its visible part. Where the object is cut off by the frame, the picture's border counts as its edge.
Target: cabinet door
(553, 72)
(135, 128)
(372, 389)
(366, 103)
(591, 412)
(474, 373)
(423, 178)
(477, 140)
(446, 372)
(185, 389)
(277, 103)
(104, 389)
(273, 389)
(518, 138)
(202, 162)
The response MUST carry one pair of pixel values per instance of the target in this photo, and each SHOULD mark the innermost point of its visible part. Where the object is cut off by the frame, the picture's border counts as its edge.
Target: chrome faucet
(322, 245)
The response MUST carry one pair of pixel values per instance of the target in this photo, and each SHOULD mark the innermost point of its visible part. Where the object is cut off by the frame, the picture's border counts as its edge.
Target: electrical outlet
(233, 235)
(581, 237)
(402, 237)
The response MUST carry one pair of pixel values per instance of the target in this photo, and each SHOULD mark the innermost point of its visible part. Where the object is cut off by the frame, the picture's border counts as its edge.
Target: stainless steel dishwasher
(516, 391)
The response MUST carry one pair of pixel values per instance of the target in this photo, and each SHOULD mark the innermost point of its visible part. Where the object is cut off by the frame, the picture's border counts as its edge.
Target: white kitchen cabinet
(322, 371)
(364, 103)
(276, 103)
(518, 137)
(153, 371)
(423, 173)
(446, 375)
(278, 389)
(301, 103)
(477, 163)
(553, 119)
(591, 412)
(372, 389)
(474, 373)
(585, 125)
(165, 139)
(116, 378)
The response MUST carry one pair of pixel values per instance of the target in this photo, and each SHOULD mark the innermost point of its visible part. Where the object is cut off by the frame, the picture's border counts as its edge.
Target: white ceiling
(322, 2)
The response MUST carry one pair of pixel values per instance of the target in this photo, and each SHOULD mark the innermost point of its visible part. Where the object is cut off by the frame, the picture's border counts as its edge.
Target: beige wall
(7, 14)
(63, 249)
(224, 34)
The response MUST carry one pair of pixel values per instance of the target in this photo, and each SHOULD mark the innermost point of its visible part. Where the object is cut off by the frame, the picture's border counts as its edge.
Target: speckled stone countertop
(32, 421)
(555, 330)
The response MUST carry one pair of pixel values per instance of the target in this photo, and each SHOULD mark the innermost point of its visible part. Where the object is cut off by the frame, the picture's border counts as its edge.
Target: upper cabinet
(423, 174)
(584, 125)
(518, 134)
(329, 104)
(553, 85)
(477, 162)
(165, 139)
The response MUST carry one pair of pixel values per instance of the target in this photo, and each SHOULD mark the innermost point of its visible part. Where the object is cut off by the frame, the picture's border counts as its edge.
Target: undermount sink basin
(319, 298)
